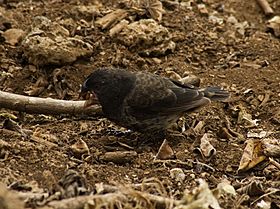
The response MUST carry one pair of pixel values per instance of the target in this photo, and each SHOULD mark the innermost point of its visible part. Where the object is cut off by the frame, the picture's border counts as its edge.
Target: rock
(172, 74)
(88, 12)
(8, 199)
(148, 37)
(202, 9)
(191, 79)
(159, 50)
(45, 51)
(177, 174)
(225, 188)
(6, 19)
(215, 19)
(144, 32)
(49, 43)
(232, 20)
(13, 36)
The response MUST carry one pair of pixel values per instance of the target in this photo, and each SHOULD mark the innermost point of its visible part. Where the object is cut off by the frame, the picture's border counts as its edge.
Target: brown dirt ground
(224, 61)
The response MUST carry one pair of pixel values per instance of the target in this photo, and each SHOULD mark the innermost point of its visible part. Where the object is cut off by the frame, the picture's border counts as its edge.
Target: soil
(245, 63)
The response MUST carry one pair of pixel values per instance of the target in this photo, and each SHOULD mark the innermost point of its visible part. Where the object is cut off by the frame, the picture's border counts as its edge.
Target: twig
(264, 195)
(273, 162)
(232, 132)
(116, 195)
(265, 100)
(185, 163)
(265, 7)
(79, 202)
(44, 105)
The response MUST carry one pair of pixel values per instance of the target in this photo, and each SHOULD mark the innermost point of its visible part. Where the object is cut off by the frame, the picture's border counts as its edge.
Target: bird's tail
(215, 93)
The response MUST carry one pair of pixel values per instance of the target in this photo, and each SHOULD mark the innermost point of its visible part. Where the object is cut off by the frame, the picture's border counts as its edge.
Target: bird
(146, 102)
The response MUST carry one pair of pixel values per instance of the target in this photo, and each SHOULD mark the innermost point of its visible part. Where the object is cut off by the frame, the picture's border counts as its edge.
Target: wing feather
(156, 95)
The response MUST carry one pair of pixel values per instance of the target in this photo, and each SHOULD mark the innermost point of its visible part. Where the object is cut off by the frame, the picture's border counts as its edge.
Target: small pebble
(177, 174)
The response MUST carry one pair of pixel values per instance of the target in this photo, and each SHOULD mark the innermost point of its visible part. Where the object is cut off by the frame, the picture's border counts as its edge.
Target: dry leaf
(202, 197)
(252, 155)
(197, 129)
(274, 25)
(206, 148)
(165, 151)
(155, 9)
(80, 148)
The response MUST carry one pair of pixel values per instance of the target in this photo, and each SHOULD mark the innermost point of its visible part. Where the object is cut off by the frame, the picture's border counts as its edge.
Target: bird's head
(95, 84)
(97, 81)
(109, 85)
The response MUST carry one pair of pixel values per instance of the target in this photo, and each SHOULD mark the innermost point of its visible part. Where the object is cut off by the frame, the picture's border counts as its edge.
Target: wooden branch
(45, 105)
(265, 7)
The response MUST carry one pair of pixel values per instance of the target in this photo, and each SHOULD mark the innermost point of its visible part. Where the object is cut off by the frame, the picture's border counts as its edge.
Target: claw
(84, 95)
(91, 99)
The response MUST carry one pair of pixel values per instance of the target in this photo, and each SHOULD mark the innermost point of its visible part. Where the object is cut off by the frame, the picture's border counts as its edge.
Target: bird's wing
(188, 97)
(157, 95)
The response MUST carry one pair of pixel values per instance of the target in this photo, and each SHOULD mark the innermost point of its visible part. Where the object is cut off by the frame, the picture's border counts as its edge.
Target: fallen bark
(118, 28)
(44, 105)
(112, 18)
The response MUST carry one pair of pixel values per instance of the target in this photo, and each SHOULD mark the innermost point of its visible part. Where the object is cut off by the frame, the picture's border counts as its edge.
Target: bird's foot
(117, 132)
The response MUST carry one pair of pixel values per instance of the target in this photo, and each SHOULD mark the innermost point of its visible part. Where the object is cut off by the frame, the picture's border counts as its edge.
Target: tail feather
(215, 93)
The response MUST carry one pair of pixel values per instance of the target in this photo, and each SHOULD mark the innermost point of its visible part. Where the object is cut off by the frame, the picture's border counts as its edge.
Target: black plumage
(146, 102)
